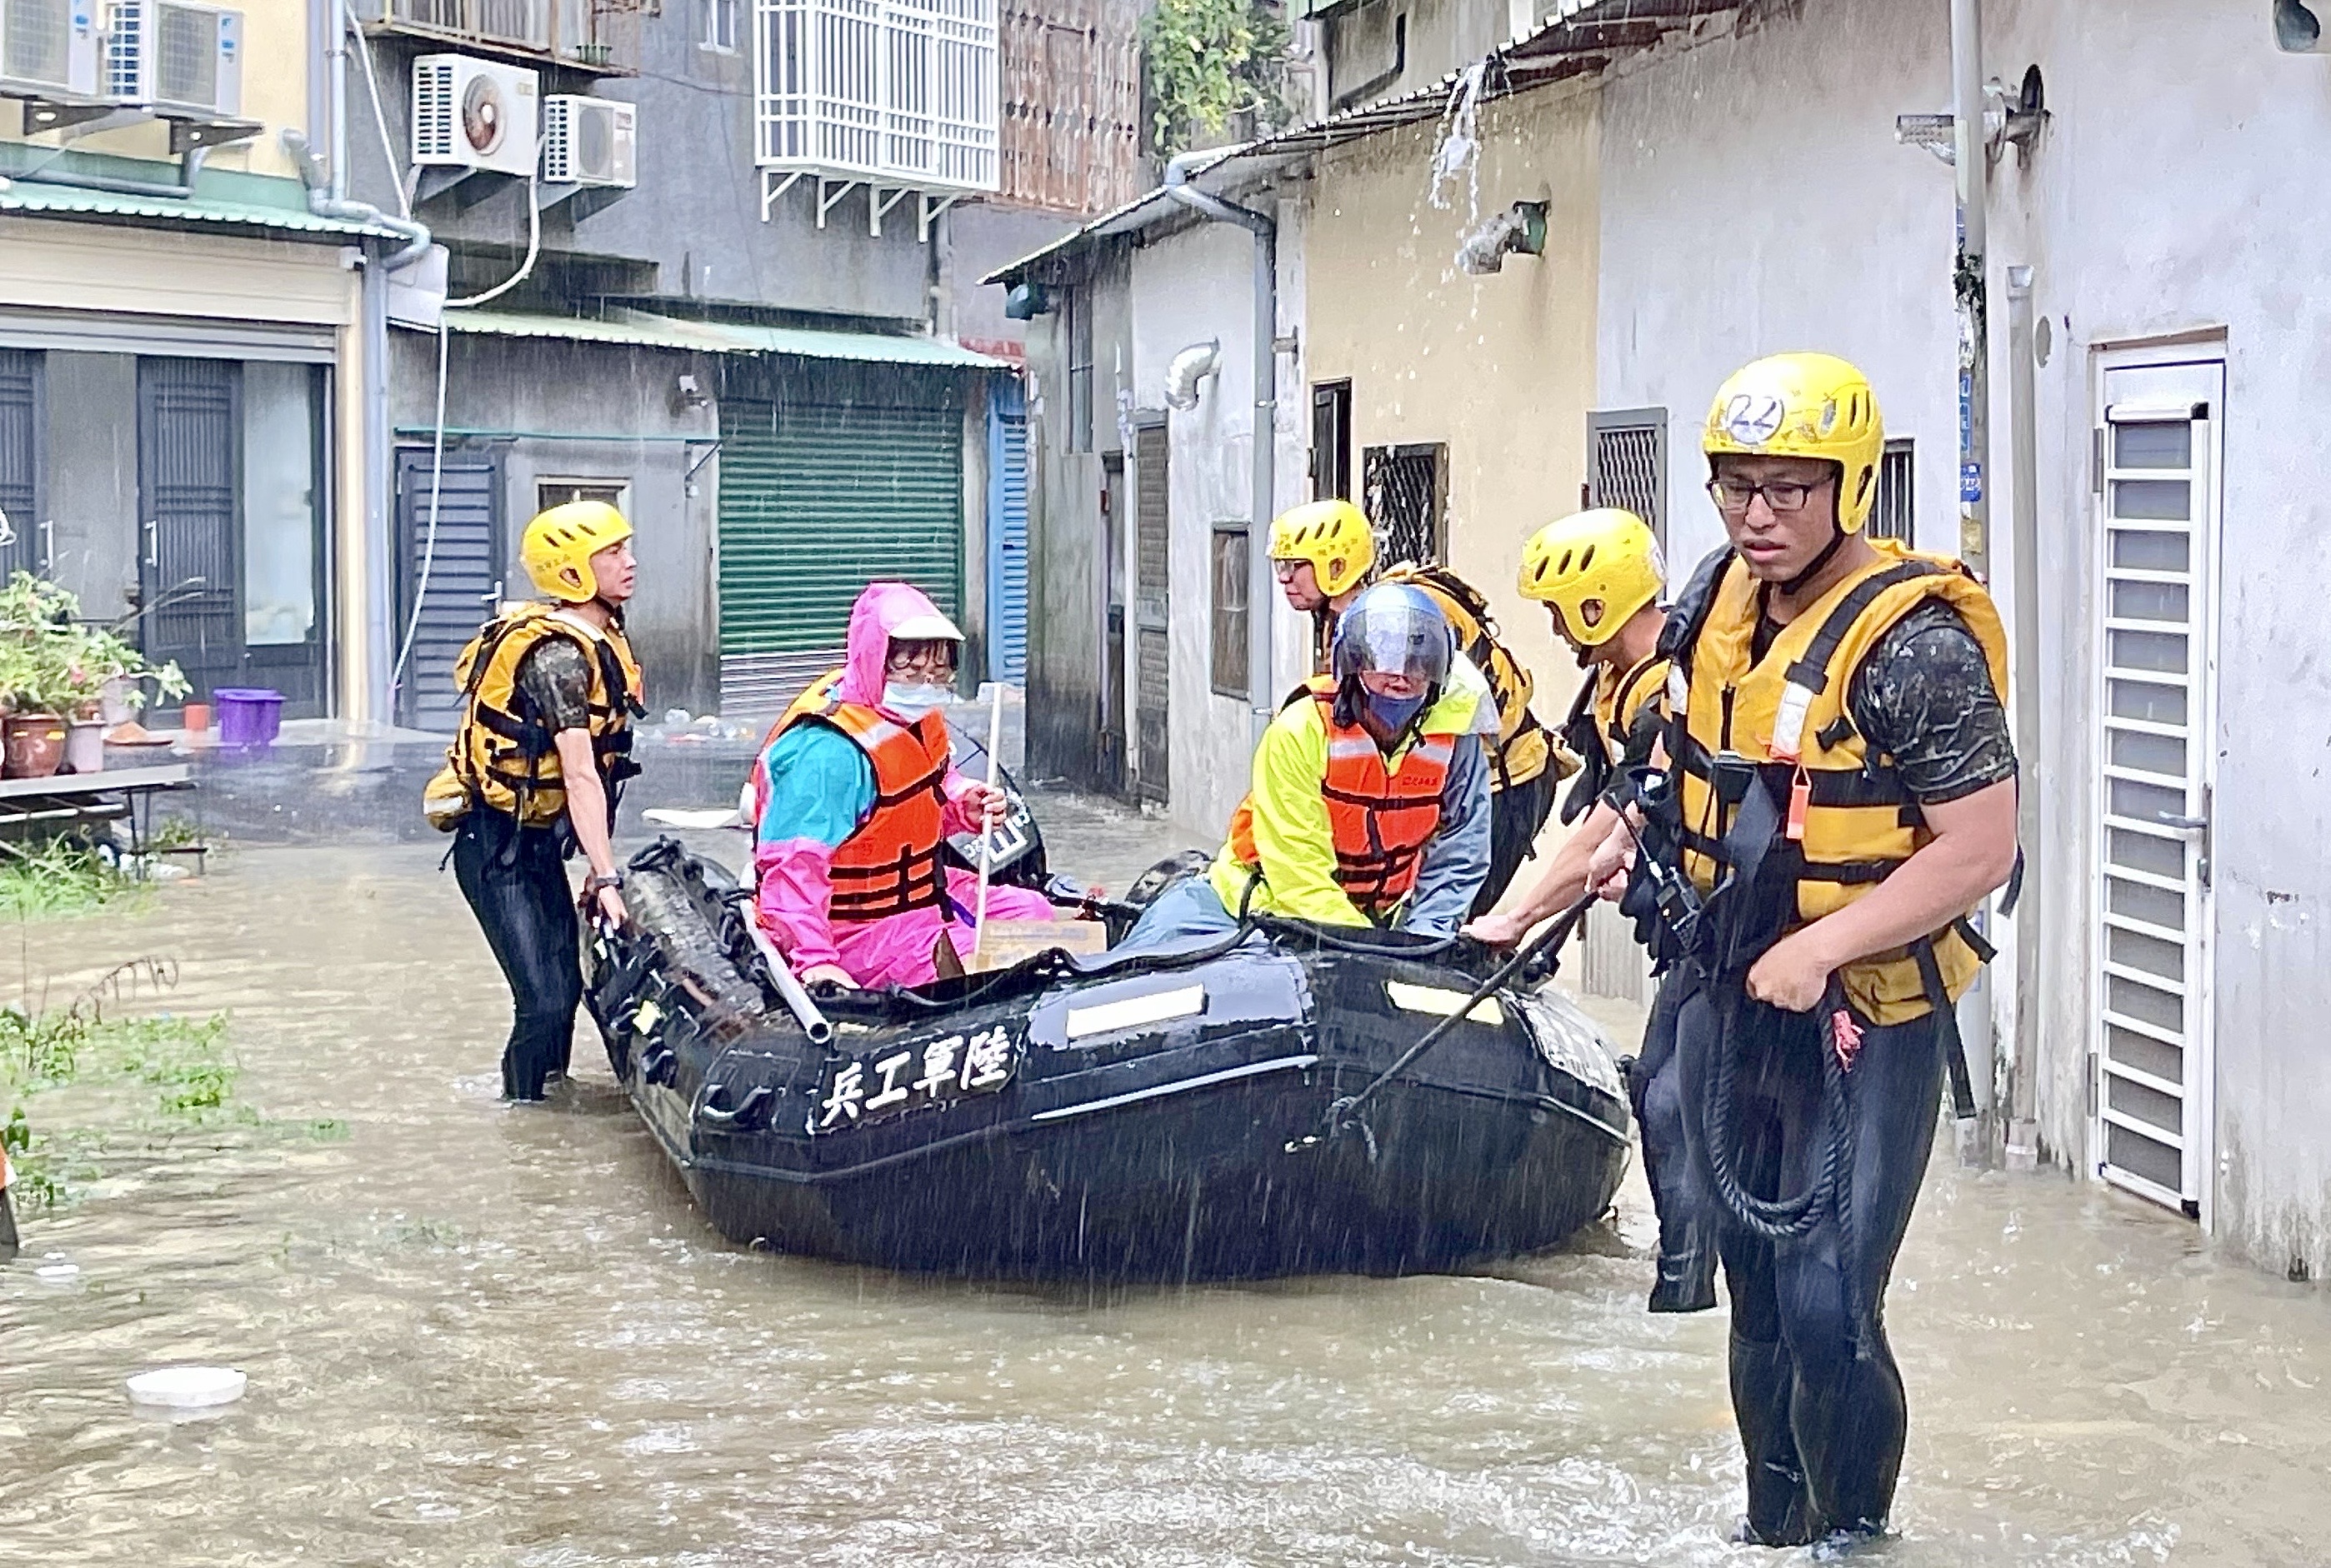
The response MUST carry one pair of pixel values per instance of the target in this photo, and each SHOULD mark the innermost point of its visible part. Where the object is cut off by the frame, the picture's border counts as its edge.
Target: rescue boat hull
(1145, 1120)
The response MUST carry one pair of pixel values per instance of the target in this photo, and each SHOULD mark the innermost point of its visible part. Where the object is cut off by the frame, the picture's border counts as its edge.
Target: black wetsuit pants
(1686, 1281)
(1516, 812)
(1815, 1387)
(515, 880)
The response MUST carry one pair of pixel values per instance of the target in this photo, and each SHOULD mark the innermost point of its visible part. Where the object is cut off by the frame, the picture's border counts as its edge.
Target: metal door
(1152, 530)
(1007, 533)
(23, 529)
(465, 574)
(2158, 501)
(190, 517)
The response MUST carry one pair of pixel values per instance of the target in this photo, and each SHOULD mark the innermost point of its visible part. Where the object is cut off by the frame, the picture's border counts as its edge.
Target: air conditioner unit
(473, 114)
(175, 59)
(587, 141)
(49, 48)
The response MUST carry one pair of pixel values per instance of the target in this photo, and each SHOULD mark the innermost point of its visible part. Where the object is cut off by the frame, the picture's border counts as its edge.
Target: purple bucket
(248, 715)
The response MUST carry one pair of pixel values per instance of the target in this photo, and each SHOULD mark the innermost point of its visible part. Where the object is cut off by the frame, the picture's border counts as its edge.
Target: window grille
(1229, 621)
(1630, 458)
(1891, 516)
(1404, 496)
(896, 92)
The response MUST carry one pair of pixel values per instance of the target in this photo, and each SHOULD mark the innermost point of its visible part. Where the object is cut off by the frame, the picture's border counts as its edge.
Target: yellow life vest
(503, 757)
(1523, 750)
(1786, 714)
(1602, 719)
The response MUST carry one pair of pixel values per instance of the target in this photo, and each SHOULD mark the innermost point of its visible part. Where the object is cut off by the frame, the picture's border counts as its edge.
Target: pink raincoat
(794, 891)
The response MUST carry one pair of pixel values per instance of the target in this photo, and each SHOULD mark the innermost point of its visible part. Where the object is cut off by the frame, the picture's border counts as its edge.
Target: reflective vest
(1785, 717)
(1379, 819)
(1603, 720)
(890, 861)
(1523, 748)
(503, 757)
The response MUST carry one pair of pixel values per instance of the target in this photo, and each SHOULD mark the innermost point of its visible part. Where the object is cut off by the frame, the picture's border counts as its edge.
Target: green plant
(53, 661)
(1209, 60)
(61, 877)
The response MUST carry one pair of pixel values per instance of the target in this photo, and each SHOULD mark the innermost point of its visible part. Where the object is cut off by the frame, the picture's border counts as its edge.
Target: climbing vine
(1209, 60)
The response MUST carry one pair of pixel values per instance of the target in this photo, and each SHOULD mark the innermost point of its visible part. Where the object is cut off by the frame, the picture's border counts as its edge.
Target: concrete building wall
(1500, 368)
(2160, 204)
(1441, 36)
(545, 385)
(1067, 548)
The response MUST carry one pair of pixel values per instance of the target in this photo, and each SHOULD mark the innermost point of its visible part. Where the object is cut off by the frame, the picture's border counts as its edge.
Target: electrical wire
(379, 115)
(437, 435)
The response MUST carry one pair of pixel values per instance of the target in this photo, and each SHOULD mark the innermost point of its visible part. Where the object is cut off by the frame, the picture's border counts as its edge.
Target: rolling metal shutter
(816, 500)
(1007, 535)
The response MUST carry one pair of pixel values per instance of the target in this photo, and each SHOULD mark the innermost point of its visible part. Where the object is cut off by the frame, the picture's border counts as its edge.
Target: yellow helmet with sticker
(558, 544)
(1334, 535)
(1596, 568)
(1814, 405)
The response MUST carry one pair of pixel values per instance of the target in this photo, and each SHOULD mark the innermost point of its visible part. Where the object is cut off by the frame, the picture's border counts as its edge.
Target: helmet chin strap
(1828, 553)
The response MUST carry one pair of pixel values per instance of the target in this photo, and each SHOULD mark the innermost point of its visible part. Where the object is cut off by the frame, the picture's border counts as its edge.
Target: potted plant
(53, 671)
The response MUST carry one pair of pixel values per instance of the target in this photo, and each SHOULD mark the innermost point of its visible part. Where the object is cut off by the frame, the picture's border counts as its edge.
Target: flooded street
(478, 1333)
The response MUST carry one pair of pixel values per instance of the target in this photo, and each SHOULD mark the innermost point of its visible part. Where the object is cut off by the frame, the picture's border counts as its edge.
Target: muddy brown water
(484, 1335)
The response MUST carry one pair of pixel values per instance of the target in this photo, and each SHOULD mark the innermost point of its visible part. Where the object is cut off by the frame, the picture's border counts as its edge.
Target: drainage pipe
(2023, 588)
(1262, 586)
(190, 165)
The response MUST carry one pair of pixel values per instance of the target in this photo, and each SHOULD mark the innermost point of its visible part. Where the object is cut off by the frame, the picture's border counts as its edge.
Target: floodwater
(488, 1335)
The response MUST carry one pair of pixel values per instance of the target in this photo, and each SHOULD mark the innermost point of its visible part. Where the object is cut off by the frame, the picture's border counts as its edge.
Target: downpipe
(190, 167)
(1260, 583)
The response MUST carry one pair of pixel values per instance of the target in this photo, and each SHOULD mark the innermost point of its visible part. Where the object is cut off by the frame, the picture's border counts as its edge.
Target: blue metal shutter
(1007, 533)
(816, 500)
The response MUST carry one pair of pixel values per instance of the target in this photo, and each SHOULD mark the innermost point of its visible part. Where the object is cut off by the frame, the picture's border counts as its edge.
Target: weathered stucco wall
(1500, 367)
(1754, 200)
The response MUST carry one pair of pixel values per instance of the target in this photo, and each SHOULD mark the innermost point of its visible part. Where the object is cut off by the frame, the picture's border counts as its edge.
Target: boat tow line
(1343, 1114)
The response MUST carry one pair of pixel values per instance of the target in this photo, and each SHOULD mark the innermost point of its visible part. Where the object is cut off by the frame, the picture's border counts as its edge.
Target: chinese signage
(885, 1083)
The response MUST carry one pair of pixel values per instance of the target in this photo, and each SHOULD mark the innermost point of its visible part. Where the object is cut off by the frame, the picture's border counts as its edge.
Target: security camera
(690, 394)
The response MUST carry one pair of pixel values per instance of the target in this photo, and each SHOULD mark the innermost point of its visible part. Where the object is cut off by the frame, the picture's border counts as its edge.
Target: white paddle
(987, 829)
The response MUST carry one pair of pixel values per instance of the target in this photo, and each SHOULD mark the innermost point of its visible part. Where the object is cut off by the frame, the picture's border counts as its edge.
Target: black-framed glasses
(1735, 495)
(921, 662)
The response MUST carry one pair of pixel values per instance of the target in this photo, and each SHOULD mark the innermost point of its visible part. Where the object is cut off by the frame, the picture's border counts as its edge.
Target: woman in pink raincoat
(852, 799)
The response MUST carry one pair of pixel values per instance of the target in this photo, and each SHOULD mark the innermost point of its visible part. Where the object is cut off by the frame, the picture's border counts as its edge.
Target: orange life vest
(1379, 819)
(890, 863)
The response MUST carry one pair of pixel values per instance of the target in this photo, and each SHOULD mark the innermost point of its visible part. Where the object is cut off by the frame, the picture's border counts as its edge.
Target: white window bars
(897, 95)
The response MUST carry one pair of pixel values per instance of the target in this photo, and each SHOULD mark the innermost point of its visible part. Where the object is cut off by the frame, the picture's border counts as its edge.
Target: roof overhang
(1582, 39)
(640, 329)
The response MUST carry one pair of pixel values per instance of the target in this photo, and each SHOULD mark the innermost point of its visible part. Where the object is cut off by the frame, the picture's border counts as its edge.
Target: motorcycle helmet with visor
(1396, 632)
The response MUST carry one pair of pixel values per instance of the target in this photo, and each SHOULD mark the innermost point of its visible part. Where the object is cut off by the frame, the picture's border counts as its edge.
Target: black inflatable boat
(1089, 1118)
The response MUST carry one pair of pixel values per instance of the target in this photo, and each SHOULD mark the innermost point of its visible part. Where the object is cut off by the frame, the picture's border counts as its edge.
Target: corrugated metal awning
(642, 330)
(32, 199)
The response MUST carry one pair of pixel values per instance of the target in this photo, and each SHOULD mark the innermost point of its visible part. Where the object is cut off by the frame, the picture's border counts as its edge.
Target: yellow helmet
(1333, 535)
(1595, 568)
(560, 543)
(1811, 405)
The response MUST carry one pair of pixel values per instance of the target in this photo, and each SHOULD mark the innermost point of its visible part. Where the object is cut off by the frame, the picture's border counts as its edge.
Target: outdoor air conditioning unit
(473, 114)
(49, 48)
(175, 59)
(587, 141)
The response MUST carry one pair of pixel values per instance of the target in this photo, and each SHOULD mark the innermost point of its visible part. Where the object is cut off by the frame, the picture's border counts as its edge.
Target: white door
(2158, 509)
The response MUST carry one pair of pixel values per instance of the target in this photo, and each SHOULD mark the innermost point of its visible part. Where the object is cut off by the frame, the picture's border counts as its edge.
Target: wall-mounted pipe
(2024, 568)
(1262, 586)
(1191, 365)
(190, 166)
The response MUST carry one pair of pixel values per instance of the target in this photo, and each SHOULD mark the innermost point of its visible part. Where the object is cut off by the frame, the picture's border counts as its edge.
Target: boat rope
(1343, 1114)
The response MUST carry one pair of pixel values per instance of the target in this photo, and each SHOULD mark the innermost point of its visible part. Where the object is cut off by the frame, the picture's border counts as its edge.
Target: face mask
(1393, 713)
(912, 701)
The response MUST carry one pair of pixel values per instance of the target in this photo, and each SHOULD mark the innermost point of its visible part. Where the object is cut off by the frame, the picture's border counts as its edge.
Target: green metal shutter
(816, 500)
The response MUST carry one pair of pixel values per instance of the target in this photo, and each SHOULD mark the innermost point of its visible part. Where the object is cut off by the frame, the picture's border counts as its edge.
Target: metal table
(116, 794)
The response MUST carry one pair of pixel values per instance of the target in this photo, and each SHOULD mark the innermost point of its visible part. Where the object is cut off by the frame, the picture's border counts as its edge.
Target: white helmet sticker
(1754, 418)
